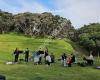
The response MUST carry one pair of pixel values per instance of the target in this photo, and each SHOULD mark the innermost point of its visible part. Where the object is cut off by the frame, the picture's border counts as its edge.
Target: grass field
(22, 71)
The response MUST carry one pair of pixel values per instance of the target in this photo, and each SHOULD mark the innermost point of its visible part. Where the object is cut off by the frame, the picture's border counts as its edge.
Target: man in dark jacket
(52, 58)
(16, 53)
(26, 55)
(73, 58)
(63, 56)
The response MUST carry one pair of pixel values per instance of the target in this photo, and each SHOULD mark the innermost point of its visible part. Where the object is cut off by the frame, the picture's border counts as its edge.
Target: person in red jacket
(69, 61)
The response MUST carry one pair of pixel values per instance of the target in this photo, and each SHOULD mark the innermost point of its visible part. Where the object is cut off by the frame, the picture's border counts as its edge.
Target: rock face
(34, 24)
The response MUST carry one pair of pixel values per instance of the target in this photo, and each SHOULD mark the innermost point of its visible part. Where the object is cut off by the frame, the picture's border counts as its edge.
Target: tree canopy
(89, 37)
(35, 24)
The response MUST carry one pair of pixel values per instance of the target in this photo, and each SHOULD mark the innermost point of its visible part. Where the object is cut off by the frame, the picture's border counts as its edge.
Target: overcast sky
(80, 12)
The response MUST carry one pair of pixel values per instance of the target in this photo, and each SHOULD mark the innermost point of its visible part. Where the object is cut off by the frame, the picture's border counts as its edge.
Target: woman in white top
(48, 59)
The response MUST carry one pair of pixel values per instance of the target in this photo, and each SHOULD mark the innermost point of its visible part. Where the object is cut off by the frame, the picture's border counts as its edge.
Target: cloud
(6, 7)
(32, 6)
(26, 6)
(79, 11)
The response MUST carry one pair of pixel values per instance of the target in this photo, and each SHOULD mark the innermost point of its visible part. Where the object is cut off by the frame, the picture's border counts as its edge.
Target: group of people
(88, 60)
(17, 52)
(67, 60)
(37, 56)
(71, 59)
(41, 56)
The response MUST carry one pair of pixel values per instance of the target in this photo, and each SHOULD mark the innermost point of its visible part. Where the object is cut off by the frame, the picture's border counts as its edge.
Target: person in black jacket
(16, 53)
(26, 55)
(52, 58)
(63, 56)
(73, 58)
(63, 59)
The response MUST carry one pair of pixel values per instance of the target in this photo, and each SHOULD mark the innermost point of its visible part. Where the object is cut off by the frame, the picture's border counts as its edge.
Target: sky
(80, 12)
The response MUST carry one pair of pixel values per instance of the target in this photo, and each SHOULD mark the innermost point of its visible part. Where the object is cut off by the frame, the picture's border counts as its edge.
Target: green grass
(8, 42)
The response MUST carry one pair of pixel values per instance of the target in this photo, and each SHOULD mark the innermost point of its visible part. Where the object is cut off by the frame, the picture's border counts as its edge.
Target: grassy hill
(8, 42)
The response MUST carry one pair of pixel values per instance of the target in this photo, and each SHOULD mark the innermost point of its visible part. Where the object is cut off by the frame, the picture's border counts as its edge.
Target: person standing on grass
(45, 53)
(52, 58)
(36, 58)
(26, 55)
(48, 60)
(73, 58)
(63, 58)
(16, 53)
(40, 52)
(90, 59)
(69, 61)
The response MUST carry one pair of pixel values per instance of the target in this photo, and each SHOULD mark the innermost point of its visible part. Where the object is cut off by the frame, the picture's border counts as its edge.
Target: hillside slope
(22, 71)
(8, 42)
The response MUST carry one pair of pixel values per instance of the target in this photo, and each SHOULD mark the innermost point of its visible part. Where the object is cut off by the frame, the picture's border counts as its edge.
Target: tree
(6, 22)
(89, 37)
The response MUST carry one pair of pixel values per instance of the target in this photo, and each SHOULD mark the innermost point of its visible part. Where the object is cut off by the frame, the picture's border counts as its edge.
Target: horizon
(79, 12)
